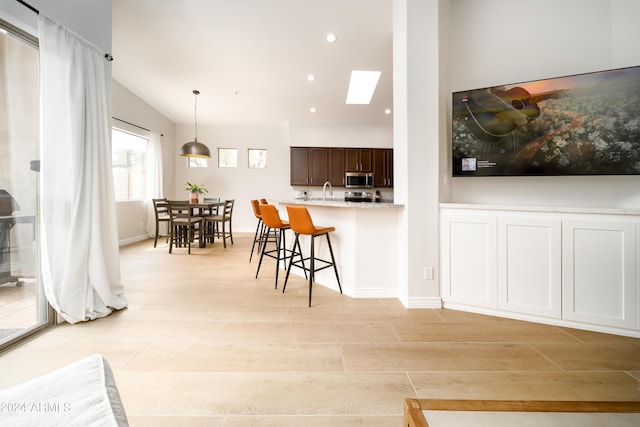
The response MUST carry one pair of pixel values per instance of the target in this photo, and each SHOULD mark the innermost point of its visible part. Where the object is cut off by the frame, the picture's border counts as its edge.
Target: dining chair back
(213, 223)
(161, 209)
(184, 225)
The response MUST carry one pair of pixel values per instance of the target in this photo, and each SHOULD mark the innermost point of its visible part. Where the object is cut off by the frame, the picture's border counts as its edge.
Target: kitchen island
(364, 244)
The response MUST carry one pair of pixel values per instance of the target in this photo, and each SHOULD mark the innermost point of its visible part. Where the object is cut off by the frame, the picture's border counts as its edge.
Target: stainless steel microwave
(358, 180)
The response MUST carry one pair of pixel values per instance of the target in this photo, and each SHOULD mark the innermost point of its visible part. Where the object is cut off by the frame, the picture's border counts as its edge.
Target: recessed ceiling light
(331, 38)
(312, 109)
(311, 78)
(361, 86)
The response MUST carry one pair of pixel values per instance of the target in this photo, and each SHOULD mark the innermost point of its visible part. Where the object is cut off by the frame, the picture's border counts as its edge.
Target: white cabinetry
(572, 268)
(469, 259)
(599, 272)
(529, 268)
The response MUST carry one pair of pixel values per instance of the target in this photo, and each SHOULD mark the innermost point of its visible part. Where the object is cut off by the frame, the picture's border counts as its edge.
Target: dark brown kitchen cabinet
(382, 168)
(358, 159)
(313, 166)
(336, 166)
(299, 166)
(319, 166)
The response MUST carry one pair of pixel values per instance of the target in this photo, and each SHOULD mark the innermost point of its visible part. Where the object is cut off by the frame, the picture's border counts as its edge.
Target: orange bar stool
(262, 235)
(272, 221)
(255, 204)
(301, 223)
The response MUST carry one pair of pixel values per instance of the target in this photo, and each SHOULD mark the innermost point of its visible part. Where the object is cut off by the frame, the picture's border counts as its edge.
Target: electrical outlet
(428, 273)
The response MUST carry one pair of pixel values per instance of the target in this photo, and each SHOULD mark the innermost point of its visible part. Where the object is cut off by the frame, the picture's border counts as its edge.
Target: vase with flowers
(195, 190)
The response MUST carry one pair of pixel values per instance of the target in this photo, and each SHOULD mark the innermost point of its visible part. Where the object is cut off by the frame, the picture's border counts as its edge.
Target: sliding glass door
(23, 308)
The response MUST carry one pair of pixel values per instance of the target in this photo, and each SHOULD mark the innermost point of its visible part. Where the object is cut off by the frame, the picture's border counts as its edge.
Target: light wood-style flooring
(204, 343)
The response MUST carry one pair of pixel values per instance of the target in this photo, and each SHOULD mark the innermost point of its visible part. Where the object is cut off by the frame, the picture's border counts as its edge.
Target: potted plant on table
(195, 190)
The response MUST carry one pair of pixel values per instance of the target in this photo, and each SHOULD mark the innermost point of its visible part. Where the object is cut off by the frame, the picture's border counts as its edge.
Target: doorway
(23, 307)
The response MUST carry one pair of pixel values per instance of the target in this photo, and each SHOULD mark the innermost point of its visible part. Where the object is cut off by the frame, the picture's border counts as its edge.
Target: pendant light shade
(195, 148)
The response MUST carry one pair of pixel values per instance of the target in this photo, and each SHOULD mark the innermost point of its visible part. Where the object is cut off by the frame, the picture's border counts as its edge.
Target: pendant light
(195, 148)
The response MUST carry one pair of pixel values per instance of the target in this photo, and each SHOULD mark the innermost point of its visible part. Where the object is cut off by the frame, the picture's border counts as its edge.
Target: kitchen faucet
(324, 191)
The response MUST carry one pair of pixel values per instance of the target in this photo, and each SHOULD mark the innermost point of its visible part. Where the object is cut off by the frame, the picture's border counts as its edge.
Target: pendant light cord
(195, 111)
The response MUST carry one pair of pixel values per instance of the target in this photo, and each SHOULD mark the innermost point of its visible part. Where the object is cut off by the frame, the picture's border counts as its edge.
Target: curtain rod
(107, 56)
(129, 123)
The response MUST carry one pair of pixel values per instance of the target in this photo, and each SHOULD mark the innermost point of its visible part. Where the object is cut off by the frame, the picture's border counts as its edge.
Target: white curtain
(155, 189)
(78, 228)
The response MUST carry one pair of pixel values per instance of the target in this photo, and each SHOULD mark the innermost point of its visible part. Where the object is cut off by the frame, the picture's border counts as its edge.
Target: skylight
(361, 86)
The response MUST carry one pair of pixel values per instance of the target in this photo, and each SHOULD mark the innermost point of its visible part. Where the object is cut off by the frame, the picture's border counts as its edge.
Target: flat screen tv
(585, 124)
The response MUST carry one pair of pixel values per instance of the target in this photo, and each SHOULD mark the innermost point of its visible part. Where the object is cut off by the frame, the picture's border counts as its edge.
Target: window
(197, 162)
(227, 158)
(257, 158)
(129, 165)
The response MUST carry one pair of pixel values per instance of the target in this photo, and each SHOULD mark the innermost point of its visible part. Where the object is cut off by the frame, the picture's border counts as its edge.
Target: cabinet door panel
(598, 265)
(352, 160)
(529, 267)
(319, 169)
(382, 168)
(469, 260)
(366, 160)
(299, 166)
(336, 166)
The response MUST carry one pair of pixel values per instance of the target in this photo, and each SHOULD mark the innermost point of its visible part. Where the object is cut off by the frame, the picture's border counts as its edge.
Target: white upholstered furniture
(83, 393)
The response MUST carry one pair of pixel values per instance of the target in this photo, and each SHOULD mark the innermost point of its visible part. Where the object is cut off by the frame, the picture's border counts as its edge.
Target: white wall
(241, 183)
(132, 215)
(244, 184)
(504, 41)
(341, 135)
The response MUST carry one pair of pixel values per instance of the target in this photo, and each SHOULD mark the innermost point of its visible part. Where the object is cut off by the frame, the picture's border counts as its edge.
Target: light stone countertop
(339, 203)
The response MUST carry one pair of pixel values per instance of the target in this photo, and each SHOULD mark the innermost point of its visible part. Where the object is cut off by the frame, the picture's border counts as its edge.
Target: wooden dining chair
(161, 209)
(184, 225)
(213, 223)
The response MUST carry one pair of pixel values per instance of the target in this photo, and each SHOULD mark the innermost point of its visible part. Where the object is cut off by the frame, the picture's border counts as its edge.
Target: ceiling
(250, 58)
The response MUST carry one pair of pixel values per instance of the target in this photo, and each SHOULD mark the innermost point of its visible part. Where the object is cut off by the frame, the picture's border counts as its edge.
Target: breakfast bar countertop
(339, 203)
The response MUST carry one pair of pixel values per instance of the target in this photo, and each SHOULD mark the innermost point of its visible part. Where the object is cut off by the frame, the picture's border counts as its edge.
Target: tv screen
(585, 124)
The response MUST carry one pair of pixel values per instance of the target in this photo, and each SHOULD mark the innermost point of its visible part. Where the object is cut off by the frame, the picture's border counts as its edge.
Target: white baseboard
(424, 302)
(544, 320)
(134, 239)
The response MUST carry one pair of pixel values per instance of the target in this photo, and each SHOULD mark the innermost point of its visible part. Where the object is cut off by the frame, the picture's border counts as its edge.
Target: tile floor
(204, 343)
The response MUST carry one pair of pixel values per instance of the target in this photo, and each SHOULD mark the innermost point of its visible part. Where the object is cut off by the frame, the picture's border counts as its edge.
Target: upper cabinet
(336, 166)
(313, 166)
(358, 159)
(300, 166)
(382, 167)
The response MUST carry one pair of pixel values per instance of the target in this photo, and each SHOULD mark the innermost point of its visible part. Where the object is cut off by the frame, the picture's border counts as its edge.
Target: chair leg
(280, 234)
(333, 261)
(255, 239)
(286, 278)
(155, 240)
(171, 227)
(224, 236)
(264, 247)
(312, 268)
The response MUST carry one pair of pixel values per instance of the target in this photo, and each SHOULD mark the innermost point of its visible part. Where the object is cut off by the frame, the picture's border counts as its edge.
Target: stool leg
(312, 268)
(304, 269)
(280, 233)
(333, 260)
(255, 238)
(295, 243)
(264, 247)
